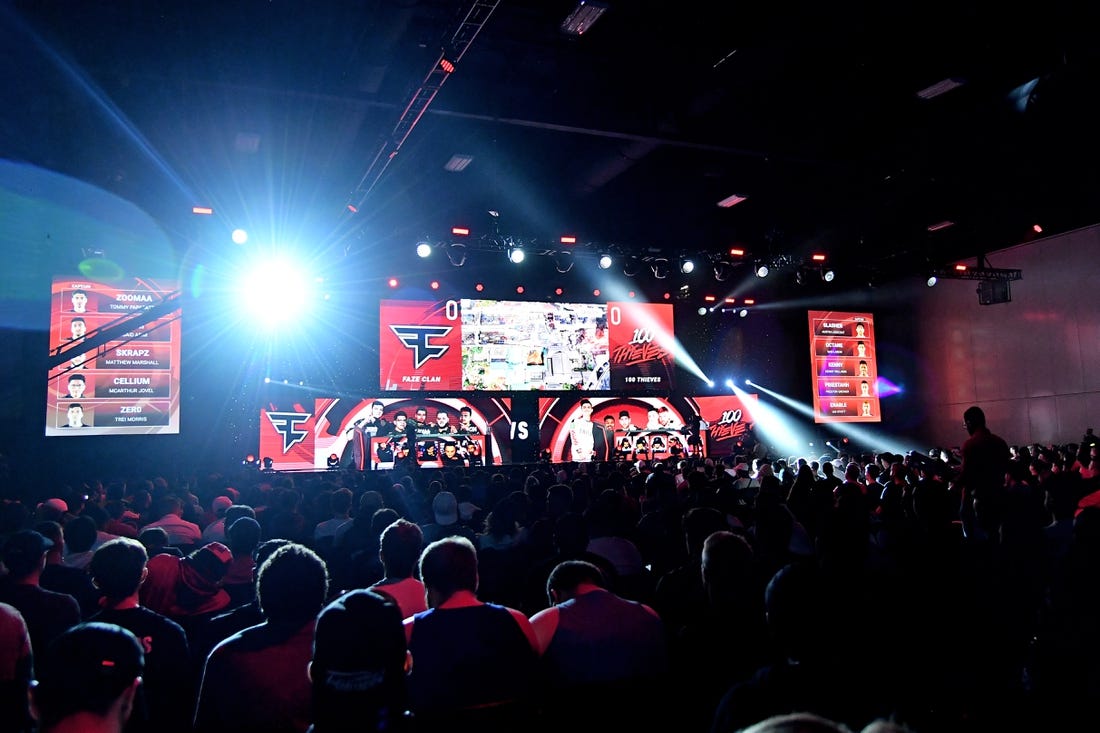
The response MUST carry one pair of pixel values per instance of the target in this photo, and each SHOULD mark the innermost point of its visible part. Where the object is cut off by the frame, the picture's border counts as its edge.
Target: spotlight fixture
(828, 275)
(605, 262)
(762, 270)
(631, 266)
(931, 281)
(456, 253)
(722, 270)
(516, 255)
(333, 461)
(423, 249)
(743, 312)
(702, 310)
(687, 265)
(563, 261)
(660, 268)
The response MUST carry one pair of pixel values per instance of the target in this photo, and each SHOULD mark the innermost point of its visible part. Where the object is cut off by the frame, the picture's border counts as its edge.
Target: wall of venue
(1032, 364)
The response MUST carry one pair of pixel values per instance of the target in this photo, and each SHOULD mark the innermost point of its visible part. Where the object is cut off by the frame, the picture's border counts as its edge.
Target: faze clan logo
(417, 338)
(288, 425)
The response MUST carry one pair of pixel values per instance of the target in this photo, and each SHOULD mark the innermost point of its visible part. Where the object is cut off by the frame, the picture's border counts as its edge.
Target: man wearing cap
(215, 530)
(47, 613)
(446, 524)
(359, 665)
(89, 680)
(188, 589)
(118, 570)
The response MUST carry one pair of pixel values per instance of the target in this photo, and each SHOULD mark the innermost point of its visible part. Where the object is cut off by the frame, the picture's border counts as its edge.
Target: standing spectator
(257, 680)
(118, 568)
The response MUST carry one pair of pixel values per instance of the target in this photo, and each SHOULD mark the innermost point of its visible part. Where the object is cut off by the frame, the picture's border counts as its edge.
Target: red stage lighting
(568, 239)
(205, 210)
(460, 231)
(737, 252)
(393, 282)
(557, 291)
(818, 258)
(596, 292)
(519, 289)
(447, 66)
(435, 285)
(479, 287)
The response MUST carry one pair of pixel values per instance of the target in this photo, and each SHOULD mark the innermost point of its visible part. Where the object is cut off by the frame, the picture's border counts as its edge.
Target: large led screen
(493, 345)
(375, 434)
(115, 356)
(845, 371)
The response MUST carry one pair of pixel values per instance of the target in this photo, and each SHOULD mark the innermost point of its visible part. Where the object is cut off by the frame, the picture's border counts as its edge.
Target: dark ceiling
(281, 113)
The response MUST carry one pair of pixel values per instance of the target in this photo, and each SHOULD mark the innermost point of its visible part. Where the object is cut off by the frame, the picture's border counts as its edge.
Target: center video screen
(496, 345)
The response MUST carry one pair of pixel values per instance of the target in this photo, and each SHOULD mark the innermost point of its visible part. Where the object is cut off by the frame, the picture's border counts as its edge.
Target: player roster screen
(842, 352)
(126, 385)
(497, 345)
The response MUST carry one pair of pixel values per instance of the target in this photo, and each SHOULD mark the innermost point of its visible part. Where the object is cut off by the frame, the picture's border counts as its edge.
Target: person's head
(243, 536)
(609, 422)
(973, 419)
(24, 553)
(359, 663)
(450, 450)
(861, 349)
(80, 533)
(80, 300)
(292, 585)
(864, 389)
(442, 418)
(421, 414)
(153, 539)
(445, 508)
(861, 330)
(448, 566)
(664, 415)
(78, 328)
(624, 418)
(586, 409)
(863, 369)
(399, 548)
(568, 576)
(866, 407)
(376, 409)
(219, 505)
(76, 386)
(118, 567)
(400, 421)
(93, 668)
(75, 414)
(465, 415)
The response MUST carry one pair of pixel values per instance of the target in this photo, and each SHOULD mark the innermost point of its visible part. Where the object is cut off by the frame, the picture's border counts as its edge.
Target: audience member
(47, 613)
(118, 569)
(257, 679)
(16, 669)
(401, 544)
(90, 680)
(473, 662)
(359, 665)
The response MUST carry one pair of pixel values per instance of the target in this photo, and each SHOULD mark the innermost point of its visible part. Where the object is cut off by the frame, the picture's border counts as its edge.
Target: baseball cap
(220, 504)
(358, 666)
(445, 508)
(23, 547)
(87, 666)
(58, 505)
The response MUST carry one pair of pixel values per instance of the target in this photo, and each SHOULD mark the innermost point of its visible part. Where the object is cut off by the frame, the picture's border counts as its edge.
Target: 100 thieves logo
(640, 350)
(729, 426)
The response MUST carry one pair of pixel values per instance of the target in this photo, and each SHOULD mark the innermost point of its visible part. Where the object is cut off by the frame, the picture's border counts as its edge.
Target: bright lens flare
(275, 292)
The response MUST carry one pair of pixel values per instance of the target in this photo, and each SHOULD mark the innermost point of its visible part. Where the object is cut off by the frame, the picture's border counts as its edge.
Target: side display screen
(115, 351)
(842, 352)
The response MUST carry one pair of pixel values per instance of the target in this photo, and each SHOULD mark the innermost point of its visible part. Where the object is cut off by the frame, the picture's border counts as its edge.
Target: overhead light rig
(993, 282)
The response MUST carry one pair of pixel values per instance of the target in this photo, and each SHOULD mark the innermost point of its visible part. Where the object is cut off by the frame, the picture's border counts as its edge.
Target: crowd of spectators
(938, 590)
